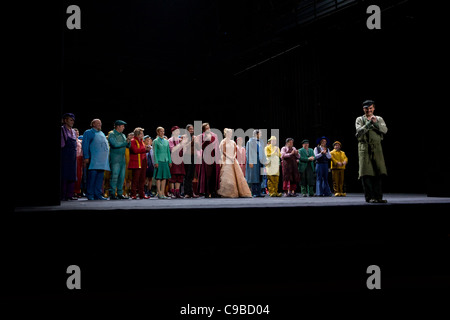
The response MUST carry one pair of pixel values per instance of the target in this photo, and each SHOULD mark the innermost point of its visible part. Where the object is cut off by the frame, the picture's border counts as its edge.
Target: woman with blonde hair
(163, 162)
(232, 180)
(138, 164)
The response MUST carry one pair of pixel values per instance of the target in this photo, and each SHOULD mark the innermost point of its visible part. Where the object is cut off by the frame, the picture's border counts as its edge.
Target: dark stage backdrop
(157, 65)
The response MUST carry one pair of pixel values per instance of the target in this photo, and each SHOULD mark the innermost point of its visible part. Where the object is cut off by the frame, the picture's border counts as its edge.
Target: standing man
(322, 154)
(306, 169)
(68, 157)
(255, 160)
(290, 159)
(119, 144)
(338, 162)
(370, 130)
(96, 157)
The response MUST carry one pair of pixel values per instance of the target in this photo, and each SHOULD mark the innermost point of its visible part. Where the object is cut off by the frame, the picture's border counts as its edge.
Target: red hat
(174, 128)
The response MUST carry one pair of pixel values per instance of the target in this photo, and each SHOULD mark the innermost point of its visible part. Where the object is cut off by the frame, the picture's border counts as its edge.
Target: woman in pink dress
(232, 180)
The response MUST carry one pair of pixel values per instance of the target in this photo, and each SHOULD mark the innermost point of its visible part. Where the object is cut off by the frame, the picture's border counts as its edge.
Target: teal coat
(161, 150)
(118, 143)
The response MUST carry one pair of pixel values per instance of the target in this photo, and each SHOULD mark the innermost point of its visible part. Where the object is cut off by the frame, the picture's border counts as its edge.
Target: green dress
(161, 155)
(370, 152)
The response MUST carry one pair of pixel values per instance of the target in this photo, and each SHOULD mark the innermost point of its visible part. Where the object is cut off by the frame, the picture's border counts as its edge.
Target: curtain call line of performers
(126, 165)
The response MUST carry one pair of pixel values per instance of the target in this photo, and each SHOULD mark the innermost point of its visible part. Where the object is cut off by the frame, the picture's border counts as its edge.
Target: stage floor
(352, 199)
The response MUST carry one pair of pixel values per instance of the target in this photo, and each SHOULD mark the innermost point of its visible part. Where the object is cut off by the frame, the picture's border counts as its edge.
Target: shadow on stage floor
(226, 249)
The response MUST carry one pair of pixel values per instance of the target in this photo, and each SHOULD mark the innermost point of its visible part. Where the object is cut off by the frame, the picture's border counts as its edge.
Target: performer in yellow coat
(338, 162)
(273, 155)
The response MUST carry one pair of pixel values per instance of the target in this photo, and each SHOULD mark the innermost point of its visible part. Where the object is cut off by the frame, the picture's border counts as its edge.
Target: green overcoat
(304, 162)
(370, 152)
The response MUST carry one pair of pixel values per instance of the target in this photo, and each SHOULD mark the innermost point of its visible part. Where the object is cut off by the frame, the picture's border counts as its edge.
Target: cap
(119, 123)
(368, 103)
(70, 115)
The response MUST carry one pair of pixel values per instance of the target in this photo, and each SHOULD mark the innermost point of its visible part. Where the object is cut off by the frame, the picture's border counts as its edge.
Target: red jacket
(138, 154)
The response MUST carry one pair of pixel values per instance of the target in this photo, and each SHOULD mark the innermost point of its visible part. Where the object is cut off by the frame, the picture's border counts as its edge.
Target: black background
(172, 62)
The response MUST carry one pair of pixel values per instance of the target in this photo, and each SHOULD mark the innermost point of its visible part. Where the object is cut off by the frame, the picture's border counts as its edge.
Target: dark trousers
(190, 170)
(372, 187)
(138, 182)
(94, 184)
(307, 181)
(322, 186)
(210, 188)
(256, 189)
(67, 188)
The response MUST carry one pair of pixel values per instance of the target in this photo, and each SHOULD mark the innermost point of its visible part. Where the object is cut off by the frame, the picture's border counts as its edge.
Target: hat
(174, 128)
(119, 123)
(272, 138)
(80, 137)
(70, 115)
(147, 136)
(305, 141)
(368, 103)
(321, 138)
(337, 142)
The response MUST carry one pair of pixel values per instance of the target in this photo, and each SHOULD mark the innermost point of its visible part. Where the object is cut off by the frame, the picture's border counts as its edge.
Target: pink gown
(232, 180)
(241, 158)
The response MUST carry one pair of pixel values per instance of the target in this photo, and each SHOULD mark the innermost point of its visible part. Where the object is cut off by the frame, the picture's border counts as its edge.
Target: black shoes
(376, 201)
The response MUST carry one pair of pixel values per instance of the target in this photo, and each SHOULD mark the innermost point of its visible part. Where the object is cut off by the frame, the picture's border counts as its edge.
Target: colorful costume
(338, 171)
(255, 156)
(177, 170)
(291, 177)
(322, 186)
(273, 155)
(209, 175)
(161, 154)
(306, 169)
(232, 180)
(138, 164)
(118, 144)
(95, 148)
(77, 188)
(68, 162)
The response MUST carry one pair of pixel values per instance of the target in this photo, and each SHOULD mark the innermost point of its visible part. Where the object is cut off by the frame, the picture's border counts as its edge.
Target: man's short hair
(289, 139)
(92, 122)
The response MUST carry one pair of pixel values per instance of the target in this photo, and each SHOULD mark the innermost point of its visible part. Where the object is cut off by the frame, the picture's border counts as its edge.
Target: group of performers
(205, 166)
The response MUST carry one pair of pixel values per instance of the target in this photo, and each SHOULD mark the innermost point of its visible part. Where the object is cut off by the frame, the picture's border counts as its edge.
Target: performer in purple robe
(68, 157)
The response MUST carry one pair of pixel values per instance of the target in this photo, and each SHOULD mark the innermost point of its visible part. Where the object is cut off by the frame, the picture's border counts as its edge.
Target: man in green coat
(306, 169)
(370, 130)
(118, 144)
